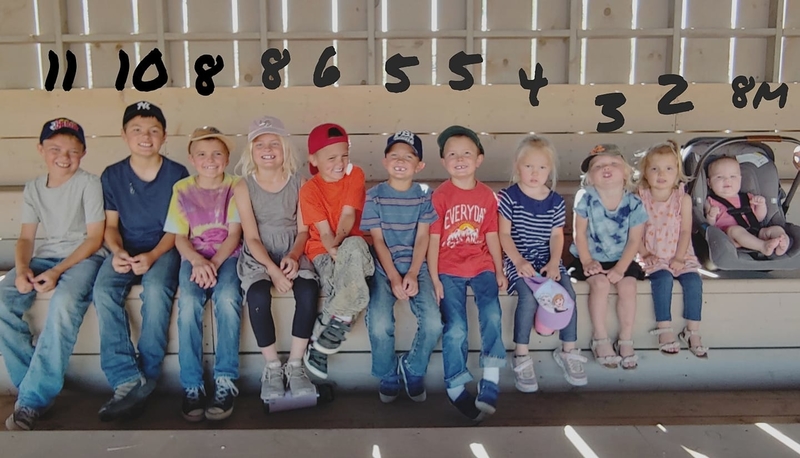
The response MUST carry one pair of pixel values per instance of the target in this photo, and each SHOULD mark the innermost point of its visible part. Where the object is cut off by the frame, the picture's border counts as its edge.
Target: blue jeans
(454, 316)
(117, 355)
(226, 296)
(661, 287)
(526, 309)
(39, 372)
(380, 323)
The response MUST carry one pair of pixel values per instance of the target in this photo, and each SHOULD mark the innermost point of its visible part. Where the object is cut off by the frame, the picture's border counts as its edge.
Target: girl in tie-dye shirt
(608, 229)
(202, 214)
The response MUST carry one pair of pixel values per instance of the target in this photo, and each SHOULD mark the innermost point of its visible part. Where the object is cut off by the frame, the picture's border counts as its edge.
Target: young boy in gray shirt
(68, 203)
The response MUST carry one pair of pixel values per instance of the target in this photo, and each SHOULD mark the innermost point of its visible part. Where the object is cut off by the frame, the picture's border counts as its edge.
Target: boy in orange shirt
(331, 203)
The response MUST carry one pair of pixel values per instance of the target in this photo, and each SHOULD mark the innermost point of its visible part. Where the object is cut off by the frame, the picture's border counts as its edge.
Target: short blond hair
(667, 148)
(246, 166)
(536, 143)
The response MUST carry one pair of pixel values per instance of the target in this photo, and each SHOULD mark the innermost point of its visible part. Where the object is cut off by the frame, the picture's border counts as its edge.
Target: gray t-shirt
(63, 212)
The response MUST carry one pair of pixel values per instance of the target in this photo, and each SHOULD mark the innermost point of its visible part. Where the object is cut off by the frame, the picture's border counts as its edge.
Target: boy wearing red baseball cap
(331, 203)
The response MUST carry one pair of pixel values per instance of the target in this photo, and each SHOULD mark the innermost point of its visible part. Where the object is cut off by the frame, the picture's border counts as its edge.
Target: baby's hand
(758, 201)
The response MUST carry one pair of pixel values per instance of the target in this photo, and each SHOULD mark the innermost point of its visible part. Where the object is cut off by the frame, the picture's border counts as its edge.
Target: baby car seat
(760, 177)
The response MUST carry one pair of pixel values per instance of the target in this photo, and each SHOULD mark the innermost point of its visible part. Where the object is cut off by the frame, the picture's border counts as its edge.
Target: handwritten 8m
(273, 60)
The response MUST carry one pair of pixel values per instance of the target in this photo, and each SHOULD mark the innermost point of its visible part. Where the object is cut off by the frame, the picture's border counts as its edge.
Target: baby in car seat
(740, 215)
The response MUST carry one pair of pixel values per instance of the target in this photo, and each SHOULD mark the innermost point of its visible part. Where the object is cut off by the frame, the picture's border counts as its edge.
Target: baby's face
(725, 178)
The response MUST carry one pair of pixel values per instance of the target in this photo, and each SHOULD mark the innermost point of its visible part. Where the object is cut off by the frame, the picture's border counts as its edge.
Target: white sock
(455, 392)
(343, 319)
(491, 374)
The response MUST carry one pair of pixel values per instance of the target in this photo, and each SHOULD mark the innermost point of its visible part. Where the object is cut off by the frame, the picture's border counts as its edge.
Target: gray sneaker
(332, 336)
(572, 364)
(22, 419)
(127, 399)
(298, 381)
(272, 381)
(524, 376)
(316, 362)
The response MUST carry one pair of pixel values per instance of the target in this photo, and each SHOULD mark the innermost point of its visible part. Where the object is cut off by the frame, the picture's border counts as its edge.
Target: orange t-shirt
(324, 201)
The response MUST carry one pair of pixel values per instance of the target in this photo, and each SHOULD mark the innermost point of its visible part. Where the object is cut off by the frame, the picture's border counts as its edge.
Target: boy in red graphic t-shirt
(465, 250)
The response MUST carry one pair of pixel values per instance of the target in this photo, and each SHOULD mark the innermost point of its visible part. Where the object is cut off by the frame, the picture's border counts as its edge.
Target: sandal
(668, 348)
(698, 350)
(634, 358)
(611, 361)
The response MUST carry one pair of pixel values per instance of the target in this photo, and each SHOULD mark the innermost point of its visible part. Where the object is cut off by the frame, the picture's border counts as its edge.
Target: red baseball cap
(325, 135)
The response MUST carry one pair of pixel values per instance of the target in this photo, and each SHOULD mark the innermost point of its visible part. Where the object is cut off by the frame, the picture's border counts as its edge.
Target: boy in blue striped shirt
(398, 214)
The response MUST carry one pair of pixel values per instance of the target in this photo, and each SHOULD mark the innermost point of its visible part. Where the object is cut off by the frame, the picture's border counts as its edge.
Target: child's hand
(410, 285)
(24, 280)
(551, 270)
(333, 252)
(142, 263)
(121, 262)
(712, 212)
(758, 201)
(615, 275)
(279, 280)
(502, 281)
(677, 264)
(46, 281)
(204, 273)
(289, 266)
(525, 269)
(397, 288)
(438, 290)
(592, 268)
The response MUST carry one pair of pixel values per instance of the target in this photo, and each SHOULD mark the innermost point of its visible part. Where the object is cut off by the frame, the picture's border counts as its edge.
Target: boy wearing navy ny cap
(137, 192)
(398, 214)
(68, 203)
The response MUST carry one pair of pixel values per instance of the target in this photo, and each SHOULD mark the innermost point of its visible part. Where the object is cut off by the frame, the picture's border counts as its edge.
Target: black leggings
(259, 304)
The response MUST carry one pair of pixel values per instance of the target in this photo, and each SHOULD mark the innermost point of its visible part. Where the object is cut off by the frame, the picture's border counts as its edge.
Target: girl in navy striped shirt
(532, 218)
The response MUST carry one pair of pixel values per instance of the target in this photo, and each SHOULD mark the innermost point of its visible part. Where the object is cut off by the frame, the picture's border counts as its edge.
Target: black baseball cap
(458, 130)
(62, 126)
(145, 109)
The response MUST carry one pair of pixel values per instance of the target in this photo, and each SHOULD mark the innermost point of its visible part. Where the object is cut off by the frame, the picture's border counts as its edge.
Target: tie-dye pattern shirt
(607, 233)
(203, 215)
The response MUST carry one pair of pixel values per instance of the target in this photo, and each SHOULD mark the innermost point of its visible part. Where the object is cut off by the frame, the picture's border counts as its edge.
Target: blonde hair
(246, 166)
(537, 143)
(628, 185)
(667, 148)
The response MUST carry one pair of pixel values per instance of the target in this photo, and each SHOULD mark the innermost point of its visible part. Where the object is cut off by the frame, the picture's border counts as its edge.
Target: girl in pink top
(667, 252)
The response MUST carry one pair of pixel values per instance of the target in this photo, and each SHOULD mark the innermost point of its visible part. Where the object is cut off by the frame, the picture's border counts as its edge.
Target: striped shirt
(532, 223)
(397, 215)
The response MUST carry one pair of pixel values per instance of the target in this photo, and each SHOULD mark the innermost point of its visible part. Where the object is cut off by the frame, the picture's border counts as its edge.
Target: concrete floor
(692, 424)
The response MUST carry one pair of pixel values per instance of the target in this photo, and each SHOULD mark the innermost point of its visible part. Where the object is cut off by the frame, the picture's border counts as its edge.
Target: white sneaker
(298, 381)
(524, 376)
(572, 364)
(272, 381)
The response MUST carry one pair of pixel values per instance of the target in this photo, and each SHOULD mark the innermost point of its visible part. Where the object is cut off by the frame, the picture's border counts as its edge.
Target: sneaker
(272, 386)
(225, 393)
(128, 400)
(524, 376)
(316, 362)
(298, 381)
(389, 390)
(572, 364)
(194, 404)
(415, 385)
(22, 419)
(465, 404)
(487, 396)
(332, 336)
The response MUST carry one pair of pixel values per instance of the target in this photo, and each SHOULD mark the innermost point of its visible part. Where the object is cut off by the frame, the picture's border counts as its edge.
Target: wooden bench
(749, 325)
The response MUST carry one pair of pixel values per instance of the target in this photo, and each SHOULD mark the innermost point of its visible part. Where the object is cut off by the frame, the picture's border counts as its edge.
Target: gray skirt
(277, 246)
